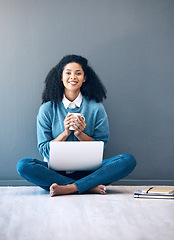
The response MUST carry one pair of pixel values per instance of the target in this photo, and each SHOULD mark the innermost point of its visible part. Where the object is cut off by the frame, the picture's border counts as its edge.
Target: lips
(72, 82)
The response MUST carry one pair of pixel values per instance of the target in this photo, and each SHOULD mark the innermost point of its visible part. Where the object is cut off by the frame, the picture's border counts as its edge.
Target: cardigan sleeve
(101, 129)
(44, 130)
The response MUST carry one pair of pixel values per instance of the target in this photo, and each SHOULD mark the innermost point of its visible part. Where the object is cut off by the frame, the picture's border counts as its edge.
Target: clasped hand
(78, 124)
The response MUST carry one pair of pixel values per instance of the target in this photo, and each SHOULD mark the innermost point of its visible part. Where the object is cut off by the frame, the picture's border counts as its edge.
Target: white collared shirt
(76, 103)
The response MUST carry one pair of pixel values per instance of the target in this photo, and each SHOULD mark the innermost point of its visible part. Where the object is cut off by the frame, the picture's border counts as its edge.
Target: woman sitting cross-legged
(72, 86)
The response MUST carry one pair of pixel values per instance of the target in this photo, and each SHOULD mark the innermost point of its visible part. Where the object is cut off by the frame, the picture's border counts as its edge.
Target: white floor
(30, 213)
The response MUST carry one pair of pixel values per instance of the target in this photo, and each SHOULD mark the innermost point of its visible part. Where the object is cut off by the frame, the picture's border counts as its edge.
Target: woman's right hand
(67, 123)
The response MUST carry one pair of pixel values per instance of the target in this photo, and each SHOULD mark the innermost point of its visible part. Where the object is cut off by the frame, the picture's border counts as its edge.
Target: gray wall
(130, 44)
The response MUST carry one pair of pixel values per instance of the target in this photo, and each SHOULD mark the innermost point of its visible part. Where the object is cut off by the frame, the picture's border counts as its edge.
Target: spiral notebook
(155, 192)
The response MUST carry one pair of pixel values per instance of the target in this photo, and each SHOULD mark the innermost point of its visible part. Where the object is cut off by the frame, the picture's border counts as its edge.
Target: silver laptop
(76, 156)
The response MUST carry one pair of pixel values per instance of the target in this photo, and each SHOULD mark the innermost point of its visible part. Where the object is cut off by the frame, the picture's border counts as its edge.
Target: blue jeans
(112, 169)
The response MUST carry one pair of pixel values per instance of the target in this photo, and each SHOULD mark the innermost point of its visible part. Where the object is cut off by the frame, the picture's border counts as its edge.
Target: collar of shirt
(76, 103)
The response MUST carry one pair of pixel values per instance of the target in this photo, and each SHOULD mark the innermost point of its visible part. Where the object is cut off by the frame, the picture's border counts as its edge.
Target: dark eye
(79, 73)
(68, 73)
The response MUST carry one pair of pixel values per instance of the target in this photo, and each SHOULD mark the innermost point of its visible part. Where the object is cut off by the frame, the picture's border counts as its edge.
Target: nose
(72, 76)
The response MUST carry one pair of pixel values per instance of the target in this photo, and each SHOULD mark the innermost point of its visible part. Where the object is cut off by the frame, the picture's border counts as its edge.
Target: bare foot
(101, 189)
(56, 189)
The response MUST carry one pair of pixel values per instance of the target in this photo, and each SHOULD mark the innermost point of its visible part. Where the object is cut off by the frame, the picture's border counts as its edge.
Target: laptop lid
(76, 156)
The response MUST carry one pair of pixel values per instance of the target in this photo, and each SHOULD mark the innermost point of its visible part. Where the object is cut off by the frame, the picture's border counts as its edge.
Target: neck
(71, 96)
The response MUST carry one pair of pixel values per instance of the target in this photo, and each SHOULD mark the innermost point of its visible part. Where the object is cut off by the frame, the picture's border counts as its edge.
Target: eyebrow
(71, 70)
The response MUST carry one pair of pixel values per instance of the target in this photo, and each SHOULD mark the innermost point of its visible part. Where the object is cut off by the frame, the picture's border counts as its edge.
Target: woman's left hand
(80, 126)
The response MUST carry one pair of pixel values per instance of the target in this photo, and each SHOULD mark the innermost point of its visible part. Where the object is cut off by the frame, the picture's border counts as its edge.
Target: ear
(84, 79)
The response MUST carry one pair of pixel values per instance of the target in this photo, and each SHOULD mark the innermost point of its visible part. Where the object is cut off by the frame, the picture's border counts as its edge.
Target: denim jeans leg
(112, 169)
(38, 173)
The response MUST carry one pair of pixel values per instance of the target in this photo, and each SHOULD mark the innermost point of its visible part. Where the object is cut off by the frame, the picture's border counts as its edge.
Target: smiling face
(73, 78)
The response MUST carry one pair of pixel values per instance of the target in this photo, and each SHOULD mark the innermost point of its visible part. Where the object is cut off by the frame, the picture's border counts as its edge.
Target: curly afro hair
(92, 88)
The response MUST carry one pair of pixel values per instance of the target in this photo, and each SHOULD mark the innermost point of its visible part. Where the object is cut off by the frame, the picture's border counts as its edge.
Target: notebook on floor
(76, 156)
(155, 192)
